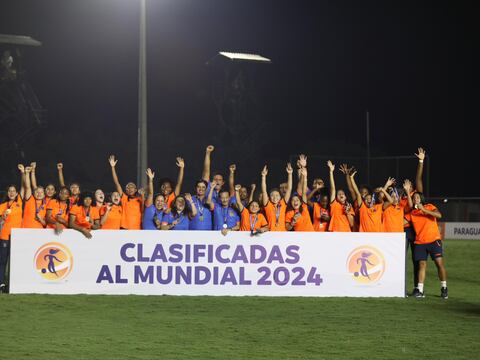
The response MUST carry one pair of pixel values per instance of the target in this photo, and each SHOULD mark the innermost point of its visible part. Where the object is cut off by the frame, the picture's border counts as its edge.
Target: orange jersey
(425, 225)
(34, 208)
(85, 217)
(114, 217)
(303, 222)
(59, 209)
(371, 218)
(393, 218)
(132, 212)
(275, 215)
(73, 200)
(169, 199)
(404, 203)
(318, 223)
(250, 222)
(339, 220)
(11, 211)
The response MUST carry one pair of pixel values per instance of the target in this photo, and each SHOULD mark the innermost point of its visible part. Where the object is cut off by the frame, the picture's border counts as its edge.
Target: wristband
(420, 161)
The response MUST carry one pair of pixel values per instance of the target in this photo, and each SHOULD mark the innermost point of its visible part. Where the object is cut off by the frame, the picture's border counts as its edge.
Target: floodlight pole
(142, 100)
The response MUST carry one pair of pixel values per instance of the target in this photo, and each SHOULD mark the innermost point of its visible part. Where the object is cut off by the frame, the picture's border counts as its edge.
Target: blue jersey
(183, 221)
(203, 219)
(223, 215)
(151, 213)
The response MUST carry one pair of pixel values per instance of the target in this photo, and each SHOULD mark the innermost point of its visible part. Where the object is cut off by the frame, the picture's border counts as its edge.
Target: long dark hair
(67, 201)
(290, 206)
(186, 210)
(5, 198)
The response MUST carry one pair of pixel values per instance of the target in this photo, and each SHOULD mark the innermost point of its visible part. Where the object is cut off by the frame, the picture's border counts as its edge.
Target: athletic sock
(443, 284)
(420, 287)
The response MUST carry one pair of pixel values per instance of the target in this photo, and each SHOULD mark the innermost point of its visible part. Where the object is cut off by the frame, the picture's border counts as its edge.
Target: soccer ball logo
(53, 261)
(366, 264)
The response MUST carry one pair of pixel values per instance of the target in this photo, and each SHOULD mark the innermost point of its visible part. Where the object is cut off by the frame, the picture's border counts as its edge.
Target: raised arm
(264, 186)
(347, 171)
(390, 181)
(303, 174)
(188, 197)
(252, 192)
(206, 163)
(407, 186)
(33, 165)
(209, 201)
(317, 187)
(150, 175)
(333, 191)
(28, 187)
(61, 180)
(181, 169)
(434, 213)
(22, 180)
(231, 179)
(113, 163)
(418, 177)
(358, 199)
(289, 182)
(301, 163)
(237, 196)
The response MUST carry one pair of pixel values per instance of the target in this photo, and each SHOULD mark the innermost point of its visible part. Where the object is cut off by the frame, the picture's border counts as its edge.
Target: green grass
(168, 327)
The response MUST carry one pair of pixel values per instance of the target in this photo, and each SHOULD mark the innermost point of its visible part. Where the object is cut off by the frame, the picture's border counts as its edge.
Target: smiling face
(99, 196)
(417, 199)
(180, 204)
(275, 197)
(87, 201)
(64, 194)
(254, 207)
(12, 192)
(159, 202)
(115, 197)
(224, 198)
(50, 190)
(130, 189)
(243, 193)
(283, 189)
(200, 189)
(324, 201)
(166, 188)
(218, 178)
(296, 202)
(368, 200)
(39, 193)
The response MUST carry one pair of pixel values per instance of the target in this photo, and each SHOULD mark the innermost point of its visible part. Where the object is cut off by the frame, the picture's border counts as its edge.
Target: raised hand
(390, 182)
(302, 160)
(421, 154)
(28, 169)
(150, 173)
(289, 168)
(253, 187)
(188, 197)
(407, 185)
(303, 171)
(210, 148)
(180, 163)
(33, 165)
(232, 168)
(112, 160)
(238, 187)
(331, 166)
(343, 168)
(59, 166)
(21, 168)
(265, 171)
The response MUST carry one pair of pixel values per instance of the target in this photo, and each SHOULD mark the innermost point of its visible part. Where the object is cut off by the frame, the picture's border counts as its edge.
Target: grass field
(167, 327)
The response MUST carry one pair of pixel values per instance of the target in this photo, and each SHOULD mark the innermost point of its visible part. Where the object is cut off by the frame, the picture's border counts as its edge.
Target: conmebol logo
(53, 261)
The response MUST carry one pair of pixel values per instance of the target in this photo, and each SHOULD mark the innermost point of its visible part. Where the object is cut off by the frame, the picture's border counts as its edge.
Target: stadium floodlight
(245, 57)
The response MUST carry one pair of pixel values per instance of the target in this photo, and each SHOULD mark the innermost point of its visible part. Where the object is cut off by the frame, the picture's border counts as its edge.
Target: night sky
(411, 64)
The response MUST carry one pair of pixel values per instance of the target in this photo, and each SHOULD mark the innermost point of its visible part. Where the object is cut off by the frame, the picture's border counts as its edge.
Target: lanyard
(225, 214)
(87, 214)
(38, 209)
(199, 206)
(60, 209)
(253, 223)
(278, 209)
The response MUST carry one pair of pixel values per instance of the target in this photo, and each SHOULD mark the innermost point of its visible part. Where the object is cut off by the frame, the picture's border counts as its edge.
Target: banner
(459, 230)
(208, 263)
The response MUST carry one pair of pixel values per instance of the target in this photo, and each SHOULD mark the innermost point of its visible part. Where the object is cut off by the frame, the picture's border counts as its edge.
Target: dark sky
(411, 64)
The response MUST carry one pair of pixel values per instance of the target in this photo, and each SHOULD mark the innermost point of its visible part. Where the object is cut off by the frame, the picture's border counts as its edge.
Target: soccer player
(427, 241)
(111, 213)
(341, 210)
(132, 202)
(217, 177)
(321, 210)
(181, 215)
(58, 211)
(225, 217)
(393, 213)
(84, 217)
(274, 205)
(297, 217)
(74, 187)
(244, 195)
(166, 185)
(35, 206)
(10, 218)
(250, 217)
(370, 211)
(203, 218)
(152, 216)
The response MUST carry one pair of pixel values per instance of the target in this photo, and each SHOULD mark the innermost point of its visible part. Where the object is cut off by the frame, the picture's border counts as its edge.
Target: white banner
(458, 230)
(207, 263)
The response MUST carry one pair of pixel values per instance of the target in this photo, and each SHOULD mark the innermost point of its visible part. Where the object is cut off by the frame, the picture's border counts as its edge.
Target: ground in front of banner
(168, 327)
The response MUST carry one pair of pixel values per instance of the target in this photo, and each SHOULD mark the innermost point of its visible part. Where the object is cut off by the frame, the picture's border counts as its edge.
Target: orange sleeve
(263, 221)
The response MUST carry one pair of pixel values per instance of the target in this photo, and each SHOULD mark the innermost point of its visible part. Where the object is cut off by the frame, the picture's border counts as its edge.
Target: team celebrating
(215, 206)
